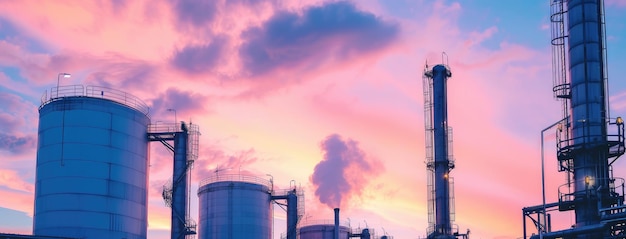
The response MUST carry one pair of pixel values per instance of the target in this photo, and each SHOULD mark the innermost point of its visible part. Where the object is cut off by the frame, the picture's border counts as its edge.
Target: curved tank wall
(322, 231)
(92, 169)
(233, 207)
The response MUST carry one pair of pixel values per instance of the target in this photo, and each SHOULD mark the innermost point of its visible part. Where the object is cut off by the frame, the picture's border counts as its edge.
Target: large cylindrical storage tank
(92, 165)
(234, 207)
(322, 231)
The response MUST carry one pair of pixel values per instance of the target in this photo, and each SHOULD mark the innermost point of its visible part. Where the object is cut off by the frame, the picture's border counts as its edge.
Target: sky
(325, 93)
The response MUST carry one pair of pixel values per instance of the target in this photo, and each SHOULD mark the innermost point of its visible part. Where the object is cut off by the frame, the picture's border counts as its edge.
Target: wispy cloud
(17, 145)
(200, 58)
(195, 13)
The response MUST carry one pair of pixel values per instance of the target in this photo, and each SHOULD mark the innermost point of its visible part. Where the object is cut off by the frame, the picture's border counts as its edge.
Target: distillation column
(436, 117)
(588, 115)
(584, 146)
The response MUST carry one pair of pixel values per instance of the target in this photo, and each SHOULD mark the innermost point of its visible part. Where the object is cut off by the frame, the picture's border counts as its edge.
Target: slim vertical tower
(295, 209)
(439, 160)
(185, 151)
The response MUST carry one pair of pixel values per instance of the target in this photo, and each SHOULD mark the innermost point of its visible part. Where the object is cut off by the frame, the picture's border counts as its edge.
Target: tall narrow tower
(439, 160)
(176, 195)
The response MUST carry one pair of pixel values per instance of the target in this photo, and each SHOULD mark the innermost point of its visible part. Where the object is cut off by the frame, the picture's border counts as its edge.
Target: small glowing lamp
(619, 121)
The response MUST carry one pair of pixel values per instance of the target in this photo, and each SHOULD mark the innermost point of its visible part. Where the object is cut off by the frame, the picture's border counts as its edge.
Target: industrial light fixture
(619, 121)
(65, 75)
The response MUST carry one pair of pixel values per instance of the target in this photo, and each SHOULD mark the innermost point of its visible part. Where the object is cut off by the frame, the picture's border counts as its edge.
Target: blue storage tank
(92, 165)
(234, 207)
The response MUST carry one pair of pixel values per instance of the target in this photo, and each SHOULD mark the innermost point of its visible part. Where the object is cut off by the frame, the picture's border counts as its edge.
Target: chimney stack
(336, 223)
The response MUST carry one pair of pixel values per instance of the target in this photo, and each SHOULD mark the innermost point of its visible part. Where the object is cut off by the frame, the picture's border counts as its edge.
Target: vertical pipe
(524, 224)
(179, 185)
(440, 75)
(336, 223)
(292, 214)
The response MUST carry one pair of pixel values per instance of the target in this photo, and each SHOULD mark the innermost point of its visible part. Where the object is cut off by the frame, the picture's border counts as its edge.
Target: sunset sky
(276, 86)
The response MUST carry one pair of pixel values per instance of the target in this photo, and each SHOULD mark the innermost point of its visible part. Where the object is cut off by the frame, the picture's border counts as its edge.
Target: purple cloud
(16, 145)
(198, 13)
(334, 30)
(199, 58)
(186, 103)
(119, 71)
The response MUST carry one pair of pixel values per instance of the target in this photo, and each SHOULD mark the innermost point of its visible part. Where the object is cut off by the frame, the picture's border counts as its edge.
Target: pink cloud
(186, 104)
(17, 200)
(217, 160)
(56, 24)
(10, 179)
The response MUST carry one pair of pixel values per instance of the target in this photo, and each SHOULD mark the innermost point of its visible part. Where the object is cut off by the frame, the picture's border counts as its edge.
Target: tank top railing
(65, 91)
(95, 92)
(235, 178)
(313, 222)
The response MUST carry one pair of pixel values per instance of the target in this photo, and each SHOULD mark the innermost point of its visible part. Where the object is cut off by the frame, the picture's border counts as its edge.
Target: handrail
(234, 178)
(571, 143)
(160, 127)
(322, 222)
(614, 185)
(118, 96)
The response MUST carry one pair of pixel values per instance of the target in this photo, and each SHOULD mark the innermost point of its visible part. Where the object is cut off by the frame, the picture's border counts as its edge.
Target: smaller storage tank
(233, 207)
(322, 231)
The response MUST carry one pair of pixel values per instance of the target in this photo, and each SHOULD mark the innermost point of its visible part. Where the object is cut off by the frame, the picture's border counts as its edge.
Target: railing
(160, 127)
(235, 178)
(454, 230)
(616, 187)
(118, 96)
(193, 142)
(357, 231)
(614, 141)
(315, 222)
(558, 18)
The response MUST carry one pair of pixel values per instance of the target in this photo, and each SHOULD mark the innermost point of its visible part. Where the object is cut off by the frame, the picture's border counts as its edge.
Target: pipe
(180, 186)
(336, 223)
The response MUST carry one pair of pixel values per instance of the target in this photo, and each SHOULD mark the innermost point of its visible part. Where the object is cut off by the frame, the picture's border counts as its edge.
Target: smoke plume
(344, 172)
